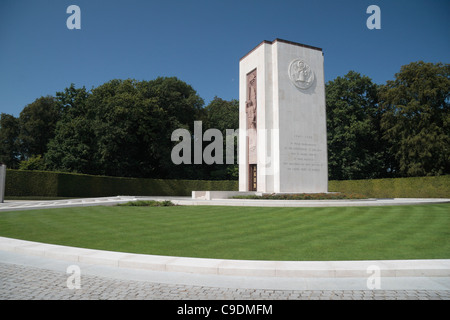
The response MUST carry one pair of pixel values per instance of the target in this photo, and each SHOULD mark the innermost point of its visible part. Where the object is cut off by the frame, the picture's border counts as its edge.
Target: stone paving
(19, 282)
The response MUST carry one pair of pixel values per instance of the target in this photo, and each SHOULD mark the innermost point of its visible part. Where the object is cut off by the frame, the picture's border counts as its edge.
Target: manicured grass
(252, 233)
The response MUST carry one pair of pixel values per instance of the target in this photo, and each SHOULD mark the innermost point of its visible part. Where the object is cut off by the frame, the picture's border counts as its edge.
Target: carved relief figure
(251, 110)
(251, 100)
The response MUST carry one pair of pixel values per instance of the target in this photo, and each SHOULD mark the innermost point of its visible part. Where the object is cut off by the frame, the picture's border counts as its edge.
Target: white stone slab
(37, 249)
(214, 195)
(419, 268)
(108, 258)
(305, 269)
(194, 265)
(66, 253)
(147, 262)
(360, 268)
(247, 268)
(9, 244)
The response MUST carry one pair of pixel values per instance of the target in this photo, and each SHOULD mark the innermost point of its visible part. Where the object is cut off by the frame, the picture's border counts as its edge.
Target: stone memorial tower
(282, 119)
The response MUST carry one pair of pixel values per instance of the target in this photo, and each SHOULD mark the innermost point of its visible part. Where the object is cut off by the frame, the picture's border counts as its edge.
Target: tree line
(120, 128)
(124, 127)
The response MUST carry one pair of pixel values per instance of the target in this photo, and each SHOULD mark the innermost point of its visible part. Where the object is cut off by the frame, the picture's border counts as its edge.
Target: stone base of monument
(210, 195)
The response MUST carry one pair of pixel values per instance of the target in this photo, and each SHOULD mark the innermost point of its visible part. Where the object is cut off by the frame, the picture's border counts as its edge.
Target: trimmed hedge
(416, 187)
(21, 183)
(31, 183)
(56, 184)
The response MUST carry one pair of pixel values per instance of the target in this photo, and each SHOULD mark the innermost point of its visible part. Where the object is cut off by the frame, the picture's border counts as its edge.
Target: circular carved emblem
(301, 74)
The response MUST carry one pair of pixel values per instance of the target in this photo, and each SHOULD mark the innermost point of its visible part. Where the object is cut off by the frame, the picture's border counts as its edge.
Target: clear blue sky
(201, 41)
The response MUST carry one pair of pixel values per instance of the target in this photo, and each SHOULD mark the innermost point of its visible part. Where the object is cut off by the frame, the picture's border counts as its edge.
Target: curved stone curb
(285, 269)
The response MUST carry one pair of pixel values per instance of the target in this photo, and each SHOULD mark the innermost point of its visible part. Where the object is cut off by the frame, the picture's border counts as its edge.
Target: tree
(353, 128)
(9, 133)
(33, 163)
(73, 145)
(416, 118)
(72, 102)
(37, 123)
(222, 115)
(134, 123)
(123, 127)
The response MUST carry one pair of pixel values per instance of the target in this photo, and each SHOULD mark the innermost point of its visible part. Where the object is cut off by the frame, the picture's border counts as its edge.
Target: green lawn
(252, 233)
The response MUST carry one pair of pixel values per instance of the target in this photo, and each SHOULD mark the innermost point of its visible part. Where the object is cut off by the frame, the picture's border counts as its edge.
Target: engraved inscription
(303, 154)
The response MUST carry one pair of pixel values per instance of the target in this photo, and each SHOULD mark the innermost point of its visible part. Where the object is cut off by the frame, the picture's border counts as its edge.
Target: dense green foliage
(401, 129)
(123, 128)
(9, 135)
(37, 123)
(248, 233)
(416, 119)
(222, 115)
(354, 139)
